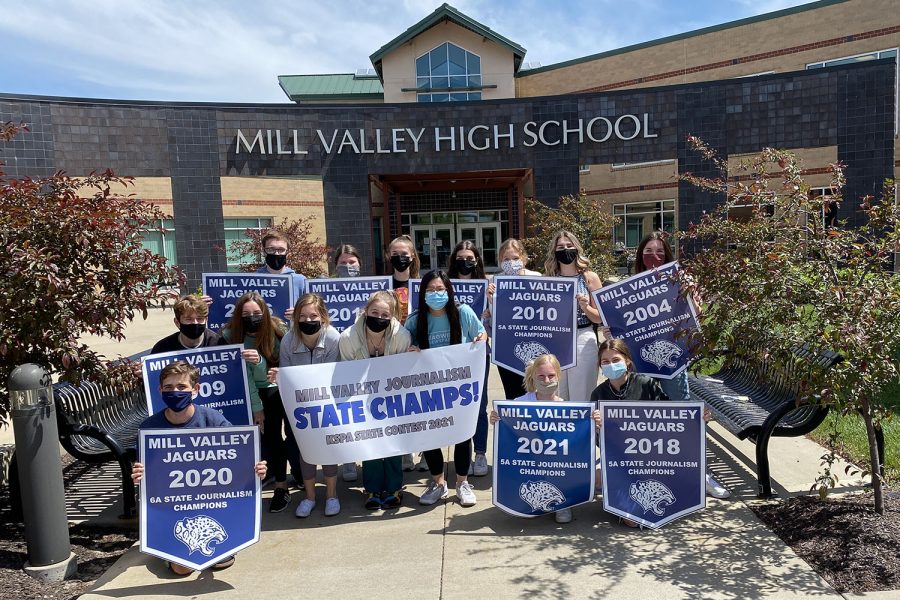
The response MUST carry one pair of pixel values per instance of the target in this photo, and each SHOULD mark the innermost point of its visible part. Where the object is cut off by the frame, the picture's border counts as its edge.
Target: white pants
(577, 383)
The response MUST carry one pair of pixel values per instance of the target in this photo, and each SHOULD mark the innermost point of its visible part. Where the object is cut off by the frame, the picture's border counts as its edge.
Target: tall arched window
(448, 73)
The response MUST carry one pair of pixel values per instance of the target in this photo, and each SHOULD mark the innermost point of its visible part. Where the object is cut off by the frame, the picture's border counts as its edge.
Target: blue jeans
(677, 389)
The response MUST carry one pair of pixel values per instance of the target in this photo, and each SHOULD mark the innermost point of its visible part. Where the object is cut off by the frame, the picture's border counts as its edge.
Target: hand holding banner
(200, 495)
(366, 409)
(226, 288)
(471, 292)
(533, 316)
(654, 460)
(543, 456)
(223, 380)
(647, 311)
(345, 297)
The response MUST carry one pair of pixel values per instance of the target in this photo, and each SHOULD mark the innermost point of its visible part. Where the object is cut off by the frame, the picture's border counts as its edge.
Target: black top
(637, 388)
(400, 284)
(171, 343)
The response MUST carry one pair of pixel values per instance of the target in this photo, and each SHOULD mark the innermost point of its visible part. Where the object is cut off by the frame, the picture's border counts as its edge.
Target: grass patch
(854, 445)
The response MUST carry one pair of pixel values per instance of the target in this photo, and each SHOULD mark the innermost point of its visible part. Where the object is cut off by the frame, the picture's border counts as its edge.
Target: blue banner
(223, 380)
(346, 297)
(654, 460)
(226, 288)
(533, 316)
(200, 496)
(471, 292)
(648, 313)
(543, 456)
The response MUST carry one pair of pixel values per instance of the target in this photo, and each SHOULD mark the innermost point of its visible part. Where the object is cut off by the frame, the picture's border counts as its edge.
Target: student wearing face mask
(466, 263)
(311, 341)
(347, 262)
(254, 326)
(276, 249)
(179, 384)
(438, 323)
(405, 263)
(513, 260)
(378, 332)
(191, 313)
(653, 252)
(565, 258)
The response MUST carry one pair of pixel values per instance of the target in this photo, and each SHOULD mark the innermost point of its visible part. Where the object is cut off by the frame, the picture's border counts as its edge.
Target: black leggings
(513, 383)
(462, 458)
(279, 445)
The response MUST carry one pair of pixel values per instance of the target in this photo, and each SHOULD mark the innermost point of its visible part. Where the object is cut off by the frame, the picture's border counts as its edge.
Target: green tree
(306, 253)
(786, 276)
(72, 264)
(585, 217)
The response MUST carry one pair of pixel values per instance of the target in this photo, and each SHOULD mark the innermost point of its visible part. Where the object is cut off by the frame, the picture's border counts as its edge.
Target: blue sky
(232, 51)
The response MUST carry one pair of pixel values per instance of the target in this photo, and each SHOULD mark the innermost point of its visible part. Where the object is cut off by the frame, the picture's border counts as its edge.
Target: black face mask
(276, 262)
(192, 331)
(465, 266)
(309, 327)
(377, 324)
(400, 263)
(567, 256)
(252, 323)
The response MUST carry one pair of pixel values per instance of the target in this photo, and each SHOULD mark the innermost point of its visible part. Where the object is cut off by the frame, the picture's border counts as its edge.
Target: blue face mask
(178, 400)
(614, 370)
(436, 300)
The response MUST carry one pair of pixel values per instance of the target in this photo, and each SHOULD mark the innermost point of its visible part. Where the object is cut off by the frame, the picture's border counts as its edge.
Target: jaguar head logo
(652, 496)
(541, 495)
(200, 533)
(661, 352)
(528, 351)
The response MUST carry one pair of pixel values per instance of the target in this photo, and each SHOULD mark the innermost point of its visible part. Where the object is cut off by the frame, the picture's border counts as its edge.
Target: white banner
(365, 409)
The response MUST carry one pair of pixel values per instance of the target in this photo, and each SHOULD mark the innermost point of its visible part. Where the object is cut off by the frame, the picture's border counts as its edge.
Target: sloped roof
(330, 86)
(445, 12)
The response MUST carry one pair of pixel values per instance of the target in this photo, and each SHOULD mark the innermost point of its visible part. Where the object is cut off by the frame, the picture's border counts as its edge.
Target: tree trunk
(874, 459)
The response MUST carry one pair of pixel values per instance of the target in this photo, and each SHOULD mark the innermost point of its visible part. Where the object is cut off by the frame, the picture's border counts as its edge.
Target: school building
(450, 129)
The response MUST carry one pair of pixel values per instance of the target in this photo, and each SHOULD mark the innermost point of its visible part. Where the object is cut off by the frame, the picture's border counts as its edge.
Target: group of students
(385, 327)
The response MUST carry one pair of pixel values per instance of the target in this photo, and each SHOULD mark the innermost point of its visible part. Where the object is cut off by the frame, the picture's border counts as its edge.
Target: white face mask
(511, 267)
(542, 388)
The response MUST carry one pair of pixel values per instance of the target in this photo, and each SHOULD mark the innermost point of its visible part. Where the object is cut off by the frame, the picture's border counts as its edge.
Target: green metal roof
(330, 87)
(445, 12)
(680, 36)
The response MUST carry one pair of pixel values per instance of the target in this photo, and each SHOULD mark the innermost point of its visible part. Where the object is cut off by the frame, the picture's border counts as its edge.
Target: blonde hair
(317, 301)
(551, 265)
(388, 298)
(515, 245)
(543, 359)
(410, 245)
(192, 304)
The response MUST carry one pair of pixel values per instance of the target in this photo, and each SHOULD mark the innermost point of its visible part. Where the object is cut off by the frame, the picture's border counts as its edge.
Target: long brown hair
(639, 253)
(616, 345)
(319, 303)
(271, 328)
(478, 273)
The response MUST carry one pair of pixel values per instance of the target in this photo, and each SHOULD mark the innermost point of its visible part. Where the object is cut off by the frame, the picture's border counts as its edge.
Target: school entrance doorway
(439, 210)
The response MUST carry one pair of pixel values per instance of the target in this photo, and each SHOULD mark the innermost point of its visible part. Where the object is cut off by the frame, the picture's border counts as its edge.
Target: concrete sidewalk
(446, 551)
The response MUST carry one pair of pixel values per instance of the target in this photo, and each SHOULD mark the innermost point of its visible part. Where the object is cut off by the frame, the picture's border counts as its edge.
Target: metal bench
(99, 424)
(756, 399)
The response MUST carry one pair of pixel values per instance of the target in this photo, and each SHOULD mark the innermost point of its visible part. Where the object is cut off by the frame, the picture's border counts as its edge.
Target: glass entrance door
(487, 237)
(434, 243)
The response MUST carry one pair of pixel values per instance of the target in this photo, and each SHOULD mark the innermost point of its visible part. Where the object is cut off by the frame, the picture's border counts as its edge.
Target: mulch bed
(97, 548)
(843, 539)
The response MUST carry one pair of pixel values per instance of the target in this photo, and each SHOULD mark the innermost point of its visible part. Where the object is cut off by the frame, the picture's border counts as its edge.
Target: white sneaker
(304, 508)
(408, 462)
(423, 464)
(434, 492)
(466, 494)
(350, 473)
(715, 489)
(332, 507)
(479, 467)
(563, 516)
